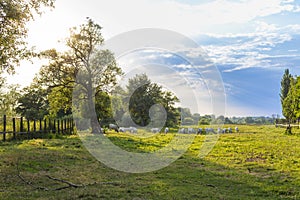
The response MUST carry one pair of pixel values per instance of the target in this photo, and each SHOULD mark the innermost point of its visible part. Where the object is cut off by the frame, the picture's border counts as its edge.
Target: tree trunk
(96, 128)
(95, 125)
(289, 128)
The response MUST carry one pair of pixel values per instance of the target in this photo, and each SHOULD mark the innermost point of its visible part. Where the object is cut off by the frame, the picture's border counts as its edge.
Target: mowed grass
(260, 162)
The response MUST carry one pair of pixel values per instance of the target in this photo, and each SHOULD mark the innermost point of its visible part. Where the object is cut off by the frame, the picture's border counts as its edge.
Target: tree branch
(69, 184)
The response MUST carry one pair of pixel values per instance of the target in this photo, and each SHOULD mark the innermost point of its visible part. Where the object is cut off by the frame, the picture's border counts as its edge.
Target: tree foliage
(147, 100)
(205, 120)
(14, 14)
(84, 66)
(9, 100)
(33, 103)
(290, 98)
(287, 97)
(60, 102)
(285, 85)
(291, 104)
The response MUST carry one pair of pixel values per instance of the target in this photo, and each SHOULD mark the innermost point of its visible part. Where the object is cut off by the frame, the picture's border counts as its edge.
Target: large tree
(14, 14)
(285, 86)
(142, 95)
(84, 67)
(139, 99)
(291, 104)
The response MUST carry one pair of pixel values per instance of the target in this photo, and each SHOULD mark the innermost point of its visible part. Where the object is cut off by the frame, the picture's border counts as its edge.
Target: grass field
(260, 162)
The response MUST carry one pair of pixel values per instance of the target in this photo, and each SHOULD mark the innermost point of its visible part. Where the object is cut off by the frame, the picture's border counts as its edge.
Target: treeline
(197, 119)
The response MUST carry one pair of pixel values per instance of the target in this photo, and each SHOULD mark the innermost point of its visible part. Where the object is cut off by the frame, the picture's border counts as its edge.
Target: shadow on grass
(187, 178)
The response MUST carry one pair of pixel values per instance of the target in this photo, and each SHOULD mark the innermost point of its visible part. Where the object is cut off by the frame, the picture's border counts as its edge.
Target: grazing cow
(125, 129)
(200, 130)
(209, 130)
(182, 130)
(129, 129)
(236, 129)
(155, 130)
(186, 130)
(191, 130)
(122, 129)
(113, 127)
(166, 130)
(133, 129)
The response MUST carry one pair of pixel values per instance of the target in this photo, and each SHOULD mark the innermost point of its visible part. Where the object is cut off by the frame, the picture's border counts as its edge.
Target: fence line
(31, 128)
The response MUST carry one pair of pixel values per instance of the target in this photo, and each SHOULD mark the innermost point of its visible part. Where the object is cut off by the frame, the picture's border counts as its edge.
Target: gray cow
(113, 127)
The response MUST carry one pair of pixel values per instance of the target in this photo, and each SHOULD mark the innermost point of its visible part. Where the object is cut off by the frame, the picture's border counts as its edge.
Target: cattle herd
(181, 130)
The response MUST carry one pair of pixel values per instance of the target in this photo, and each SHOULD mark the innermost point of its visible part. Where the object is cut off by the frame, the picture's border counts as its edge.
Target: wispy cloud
(253, 49)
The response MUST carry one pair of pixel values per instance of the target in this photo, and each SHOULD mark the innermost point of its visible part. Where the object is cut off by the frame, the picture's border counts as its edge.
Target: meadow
(259, 162)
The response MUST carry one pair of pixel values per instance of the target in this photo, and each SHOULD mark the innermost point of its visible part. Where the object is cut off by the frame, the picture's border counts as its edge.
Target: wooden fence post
(65, 125)
(54, 126)
(41, 128)
(49, 126)
(21, 124)
(14, 128)
(72, 126)
(62, 126)
(58, 127)
(45, 126)
(68, 125)
(28, 128)
(34, 126)
(4, 127)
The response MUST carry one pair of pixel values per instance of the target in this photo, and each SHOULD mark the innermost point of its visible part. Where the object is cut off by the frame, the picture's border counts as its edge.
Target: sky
(249, 44)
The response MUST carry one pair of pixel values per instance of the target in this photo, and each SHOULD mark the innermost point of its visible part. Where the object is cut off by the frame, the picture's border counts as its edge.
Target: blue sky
(250, 42)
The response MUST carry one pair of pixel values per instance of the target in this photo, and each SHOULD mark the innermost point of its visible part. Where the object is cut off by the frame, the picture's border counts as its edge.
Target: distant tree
(219, 120)
(291, 104)
(33, 103)
(285, 87)
(14, 14)
(185, 112)
(205, 120)
(126, 120)
(196, 117)
(142, 94)
(249, 120)
(9, 99)
(188, 121)
(227, 121)
(117, 104)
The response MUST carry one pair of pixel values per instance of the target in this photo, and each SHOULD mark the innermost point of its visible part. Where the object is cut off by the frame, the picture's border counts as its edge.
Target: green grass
(260, 162)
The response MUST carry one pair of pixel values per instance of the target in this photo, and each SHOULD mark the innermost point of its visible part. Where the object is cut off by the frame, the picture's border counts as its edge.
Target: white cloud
(251, 50)
(119, 16)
